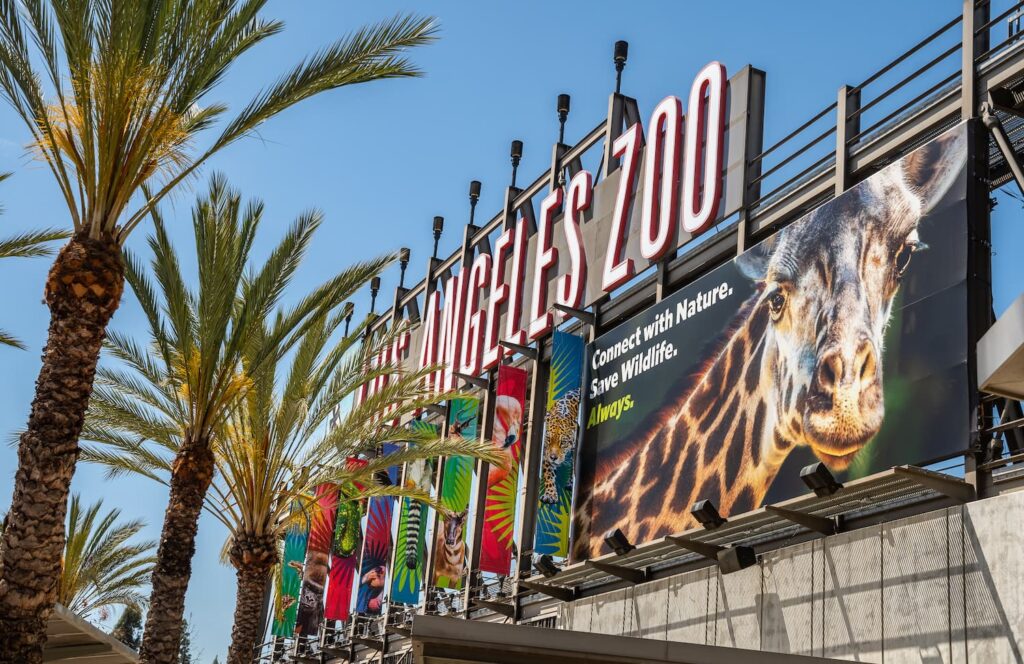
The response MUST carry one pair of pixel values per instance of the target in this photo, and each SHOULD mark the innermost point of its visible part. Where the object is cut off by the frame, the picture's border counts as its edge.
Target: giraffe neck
(720, 441)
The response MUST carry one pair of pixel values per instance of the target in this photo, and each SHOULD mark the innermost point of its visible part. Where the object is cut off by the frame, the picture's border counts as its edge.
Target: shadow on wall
(947, 586)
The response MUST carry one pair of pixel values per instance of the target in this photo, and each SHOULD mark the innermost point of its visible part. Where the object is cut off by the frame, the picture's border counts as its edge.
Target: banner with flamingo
(502, 483)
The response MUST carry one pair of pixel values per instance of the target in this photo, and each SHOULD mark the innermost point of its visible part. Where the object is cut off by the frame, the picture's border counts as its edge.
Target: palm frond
(102, 566)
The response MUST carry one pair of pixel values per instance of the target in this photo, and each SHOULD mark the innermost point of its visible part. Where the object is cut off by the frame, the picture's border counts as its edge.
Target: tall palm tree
(115, 94)
(273, 449)
(206, 348)
(102, 567)
(32, 244)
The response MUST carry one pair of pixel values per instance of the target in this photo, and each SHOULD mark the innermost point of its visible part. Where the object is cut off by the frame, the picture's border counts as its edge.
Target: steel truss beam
(809, 521)
(951, 487)
(709, 551)
(634, 576)
(559, 593)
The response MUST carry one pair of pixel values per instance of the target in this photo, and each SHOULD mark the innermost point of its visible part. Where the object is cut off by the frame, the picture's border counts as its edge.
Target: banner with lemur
(377, 547)
(561, 426)
(412, 528)
(456, 481)
(287, 604)
(502, 483)
(318, 549)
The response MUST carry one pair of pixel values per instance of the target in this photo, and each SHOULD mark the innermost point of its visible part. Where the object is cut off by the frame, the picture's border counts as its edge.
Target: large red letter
(513, 319)
(474, 315)
(661, 168)
(431, 337)
(571, 286)
(541, 319)
(616, 271)
(499, 295)
(700, 208)
(451, 327)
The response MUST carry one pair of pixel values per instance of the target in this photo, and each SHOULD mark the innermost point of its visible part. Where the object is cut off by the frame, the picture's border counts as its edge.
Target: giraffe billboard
(842, 339)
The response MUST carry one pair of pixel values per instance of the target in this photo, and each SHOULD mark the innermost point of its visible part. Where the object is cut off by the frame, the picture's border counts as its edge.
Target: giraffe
(800, 364)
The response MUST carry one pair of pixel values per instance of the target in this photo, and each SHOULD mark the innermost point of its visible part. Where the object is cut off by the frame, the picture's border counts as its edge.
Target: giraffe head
(827, 288)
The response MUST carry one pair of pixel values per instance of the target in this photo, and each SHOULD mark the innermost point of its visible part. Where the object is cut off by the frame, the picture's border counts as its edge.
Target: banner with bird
(291, 571)
(502, 483)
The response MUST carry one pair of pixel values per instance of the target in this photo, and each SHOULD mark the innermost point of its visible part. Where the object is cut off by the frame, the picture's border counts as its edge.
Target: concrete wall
(942, 587)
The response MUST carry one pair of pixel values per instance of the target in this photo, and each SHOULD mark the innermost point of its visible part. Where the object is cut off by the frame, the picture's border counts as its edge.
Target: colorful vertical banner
(291, 571)
(377, 548)
(561, 428)
(318, 550)
(412, 528)
(450, 538)
(346, 543)
(502, 483)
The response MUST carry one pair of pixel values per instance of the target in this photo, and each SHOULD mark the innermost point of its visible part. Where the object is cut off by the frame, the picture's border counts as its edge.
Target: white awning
(441, 640)
(74, 640)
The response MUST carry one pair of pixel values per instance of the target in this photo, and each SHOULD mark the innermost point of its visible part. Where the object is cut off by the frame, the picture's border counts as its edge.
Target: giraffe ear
(753, 263)
(932, 169)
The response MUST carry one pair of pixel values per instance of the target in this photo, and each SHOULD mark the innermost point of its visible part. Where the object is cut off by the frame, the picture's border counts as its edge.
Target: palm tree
(272, 449)
(102, 568)
(206, 348)
(115, 95)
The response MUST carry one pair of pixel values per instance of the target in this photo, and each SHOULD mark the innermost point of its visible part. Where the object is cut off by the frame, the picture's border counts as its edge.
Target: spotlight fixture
(403, 262)
(374, 289)
(474, 196)
(621, 54)
(438, 228)
(546, 566)
(516, 153)
(734, 558)
(563, 113)
(617, 542)
(819, 480)
(348, 310)
(707, 514)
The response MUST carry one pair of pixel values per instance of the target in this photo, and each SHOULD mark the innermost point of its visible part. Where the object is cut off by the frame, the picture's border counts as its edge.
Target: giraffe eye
(776, 302)
(902, 260)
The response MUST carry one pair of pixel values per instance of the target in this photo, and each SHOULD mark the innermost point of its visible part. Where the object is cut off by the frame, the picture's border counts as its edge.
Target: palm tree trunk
(190, 478)
(253, 558)
(83, 290)
(252, 587)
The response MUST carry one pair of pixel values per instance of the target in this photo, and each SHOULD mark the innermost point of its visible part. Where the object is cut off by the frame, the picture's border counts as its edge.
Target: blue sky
(382, 159)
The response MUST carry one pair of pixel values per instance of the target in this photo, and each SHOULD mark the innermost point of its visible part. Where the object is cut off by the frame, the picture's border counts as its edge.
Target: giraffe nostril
(830, 371)
(866, 361)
